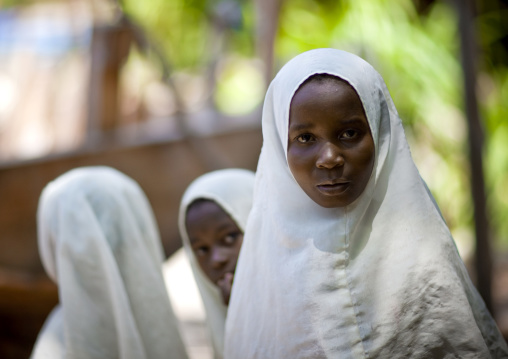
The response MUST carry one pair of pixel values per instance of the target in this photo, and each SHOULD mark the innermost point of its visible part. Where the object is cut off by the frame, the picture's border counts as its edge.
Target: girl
(98, 241)
(213, 214)
(346, 254)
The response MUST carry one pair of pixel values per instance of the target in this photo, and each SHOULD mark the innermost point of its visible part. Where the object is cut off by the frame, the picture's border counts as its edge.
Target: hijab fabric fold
(98, 240)
(379, 278)
(232, 190)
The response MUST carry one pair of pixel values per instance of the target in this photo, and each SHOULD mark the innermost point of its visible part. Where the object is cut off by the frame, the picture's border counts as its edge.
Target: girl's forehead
(330, 81)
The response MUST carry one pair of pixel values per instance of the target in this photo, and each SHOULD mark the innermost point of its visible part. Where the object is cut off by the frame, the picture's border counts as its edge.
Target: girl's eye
(201, 251)
(230, 238)
(349, 134)
(304, 138)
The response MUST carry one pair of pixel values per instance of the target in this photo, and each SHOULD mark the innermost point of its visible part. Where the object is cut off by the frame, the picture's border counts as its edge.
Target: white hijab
(232, 190)
(380, 278)
(98, 240)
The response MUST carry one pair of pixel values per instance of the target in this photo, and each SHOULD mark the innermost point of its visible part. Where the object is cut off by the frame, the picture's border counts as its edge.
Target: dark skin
(216, 241)
(330, 148)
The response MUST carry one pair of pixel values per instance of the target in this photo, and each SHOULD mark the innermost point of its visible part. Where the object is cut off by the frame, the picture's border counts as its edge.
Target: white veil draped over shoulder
(99, 241)
(380, 278)
(232, 190)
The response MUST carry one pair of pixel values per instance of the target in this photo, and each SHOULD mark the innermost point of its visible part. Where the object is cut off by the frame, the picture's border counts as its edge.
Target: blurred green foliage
(5, 4)
(209, 38)
(417, 54)
(179, 26)
(186, 29)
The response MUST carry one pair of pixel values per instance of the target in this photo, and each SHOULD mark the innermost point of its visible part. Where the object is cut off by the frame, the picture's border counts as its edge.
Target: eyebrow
(301, 127)
(307, 126)
(355, 120)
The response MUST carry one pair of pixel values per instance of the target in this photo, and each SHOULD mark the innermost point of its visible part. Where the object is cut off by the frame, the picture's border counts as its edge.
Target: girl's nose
(219, 257)
(329, 157)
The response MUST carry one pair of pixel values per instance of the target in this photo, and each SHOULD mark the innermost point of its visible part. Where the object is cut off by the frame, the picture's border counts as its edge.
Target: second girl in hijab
(212, 219)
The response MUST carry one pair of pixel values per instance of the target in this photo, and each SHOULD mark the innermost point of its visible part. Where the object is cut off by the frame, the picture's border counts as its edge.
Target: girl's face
(216, 241)
(330, 148)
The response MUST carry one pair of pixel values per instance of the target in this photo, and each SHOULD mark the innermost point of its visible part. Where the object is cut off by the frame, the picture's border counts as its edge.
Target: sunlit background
(78, 77)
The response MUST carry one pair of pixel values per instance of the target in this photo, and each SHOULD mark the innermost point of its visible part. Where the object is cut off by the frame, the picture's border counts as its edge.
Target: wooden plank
(162, 169)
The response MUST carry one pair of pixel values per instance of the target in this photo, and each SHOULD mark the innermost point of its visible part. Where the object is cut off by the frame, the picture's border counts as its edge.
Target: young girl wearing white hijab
(346, 254)
(213, 214)
(98, 240)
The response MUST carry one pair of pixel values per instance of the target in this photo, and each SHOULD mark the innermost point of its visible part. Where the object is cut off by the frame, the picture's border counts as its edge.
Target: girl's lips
(227, 275)
(333, 189)
(224, 285)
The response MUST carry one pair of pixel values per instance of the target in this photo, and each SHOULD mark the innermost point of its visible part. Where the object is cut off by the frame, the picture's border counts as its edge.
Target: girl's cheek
(297, 159)
(302, 153)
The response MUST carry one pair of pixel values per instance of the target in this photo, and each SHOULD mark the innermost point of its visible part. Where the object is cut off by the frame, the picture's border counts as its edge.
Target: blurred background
(165, 90)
